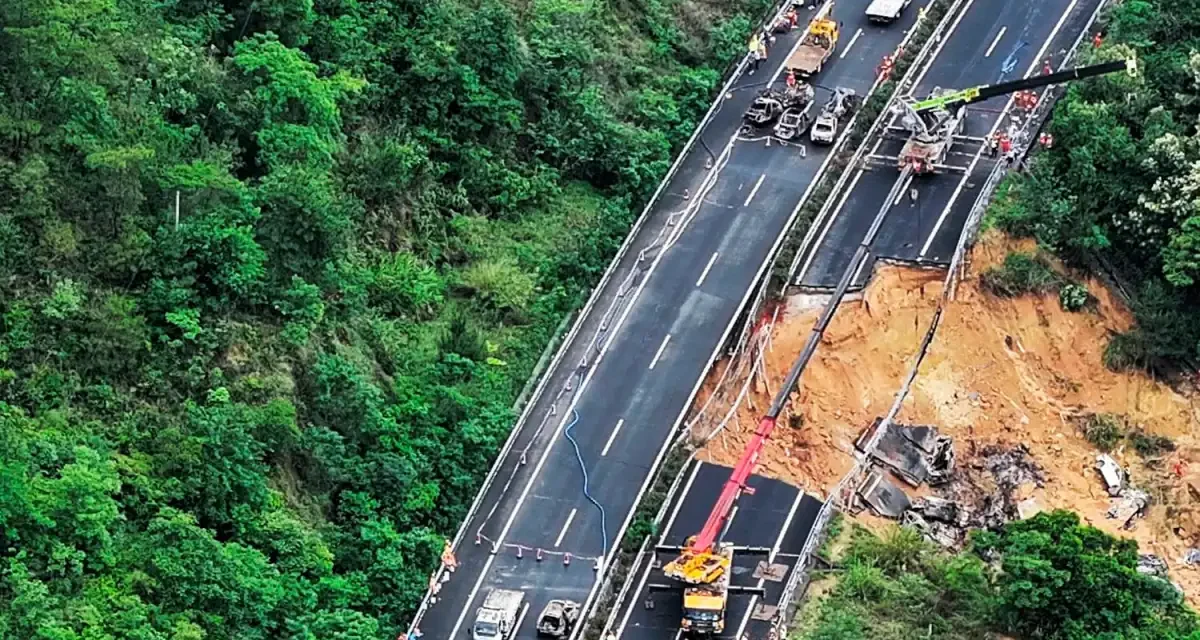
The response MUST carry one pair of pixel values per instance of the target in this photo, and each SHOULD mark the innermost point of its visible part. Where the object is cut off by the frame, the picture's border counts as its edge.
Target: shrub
(1021, 273)
(1149, 445)
(1073, 296)
(1104, 430)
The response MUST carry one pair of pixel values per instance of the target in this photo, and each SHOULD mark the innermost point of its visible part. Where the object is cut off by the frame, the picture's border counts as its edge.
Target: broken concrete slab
(884, 498)
(1111, 473)
(899, 453)
(917, 454)
(923, 436)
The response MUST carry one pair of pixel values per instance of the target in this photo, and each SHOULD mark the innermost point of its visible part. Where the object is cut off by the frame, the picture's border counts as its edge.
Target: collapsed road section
(565, 485)
(994, 43)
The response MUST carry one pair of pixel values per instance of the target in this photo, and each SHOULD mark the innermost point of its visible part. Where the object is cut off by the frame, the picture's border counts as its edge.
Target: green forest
(1118, 194)
(1046, 577)
(257, 415)
(273, 273)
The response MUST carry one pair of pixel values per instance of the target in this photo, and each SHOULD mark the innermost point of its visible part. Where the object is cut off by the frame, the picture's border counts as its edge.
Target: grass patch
(1149, 445)
(1021, 273)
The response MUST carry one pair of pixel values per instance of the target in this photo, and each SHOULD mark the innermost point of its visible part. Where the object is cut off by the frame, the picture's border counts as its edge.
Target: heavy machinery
(817, 46)
(558, 618)
(937, 123)
(841, 103)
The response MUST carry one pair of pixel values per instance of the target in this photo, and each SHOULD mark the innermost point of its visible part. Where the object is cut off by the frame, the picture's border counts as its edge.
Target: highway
(669, 321)
(964, 59)
(778, 516)
(994, 42)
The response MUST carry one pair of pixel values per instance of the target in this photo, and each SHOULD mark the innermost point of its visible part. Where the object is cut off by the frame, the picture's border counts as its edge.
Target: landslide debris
(1014, 381)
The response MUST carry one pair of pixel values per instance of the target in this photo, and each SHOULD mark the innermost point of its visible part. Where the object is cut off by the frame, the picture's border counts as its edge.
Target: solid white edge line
(754, 190)
(708, 267)
(857, 35)
(937, 227)
(566, 525)
(661, 348)
(662, 536)
(995, 42)
(612, 437)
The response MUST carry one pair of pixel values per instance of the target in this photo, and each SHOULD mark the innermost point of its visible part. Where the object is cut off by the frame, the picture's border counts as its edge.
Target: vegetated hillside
(1120, 190)
(1045, 577)
(260, 420)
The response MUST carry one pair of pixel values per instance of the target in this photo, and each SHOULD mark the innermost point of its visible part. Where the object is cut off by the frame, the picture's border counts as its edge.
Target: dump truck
(558, 618)
(843, 102)
(809, 58)
(497, 618)
(886, 10)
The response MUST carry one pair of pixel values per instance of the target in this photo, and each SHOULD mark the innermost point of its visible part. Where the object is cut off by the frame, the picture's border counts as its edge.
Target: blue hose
(586, 493)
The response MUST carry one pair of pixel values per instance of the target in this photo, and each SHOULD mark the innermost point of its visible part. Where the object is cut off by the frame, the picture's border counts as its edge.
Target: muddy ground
(1001, 372)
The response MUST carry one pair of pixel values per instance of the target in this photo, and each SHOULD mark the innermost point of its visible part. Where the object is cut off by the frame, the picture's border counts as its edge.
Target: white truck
(498, 617)
(886, 10)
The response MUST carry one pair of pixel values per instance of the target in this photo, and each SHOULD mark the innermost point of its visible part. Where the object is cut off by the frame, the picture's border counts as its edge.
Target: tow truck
(938, 122)
(818, 45)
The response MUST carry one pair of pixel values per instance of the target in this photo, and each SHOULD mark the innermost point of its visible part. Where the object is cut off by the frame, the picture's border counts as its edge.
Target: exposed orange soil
(974, 387)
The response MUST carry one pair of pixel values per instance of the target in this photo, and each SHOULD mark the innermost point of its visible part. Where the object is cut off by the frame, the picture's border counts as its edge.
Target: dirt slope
(978, 389)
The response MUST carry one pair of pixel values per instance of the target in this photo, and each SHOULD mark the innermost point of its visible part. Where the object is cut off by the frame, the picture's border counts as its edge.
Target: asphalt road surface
(633, 396)
(994, 42)
(777, 516)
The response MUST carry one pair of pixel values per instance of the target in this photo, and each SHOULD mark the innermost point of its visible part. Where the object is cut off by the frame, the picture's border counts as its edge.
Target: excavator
(935, 124)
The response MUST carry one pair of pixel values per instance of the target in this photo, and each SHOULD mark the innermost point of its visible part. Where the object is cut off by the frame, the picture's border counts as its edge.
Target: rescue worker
(1046, 140)
(884, 70)
(762, 51)
(448, 557)
(1047, 69)
(994, 145)
(792, 17)
(754, 61)
(791, 79)
(1097, 40)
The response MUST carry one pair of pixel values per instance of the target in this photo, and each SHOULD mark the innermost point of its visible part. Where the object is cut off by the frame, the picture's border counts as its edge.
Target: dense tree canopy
(1120, 190)
(1046, 577)
(259, 416)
